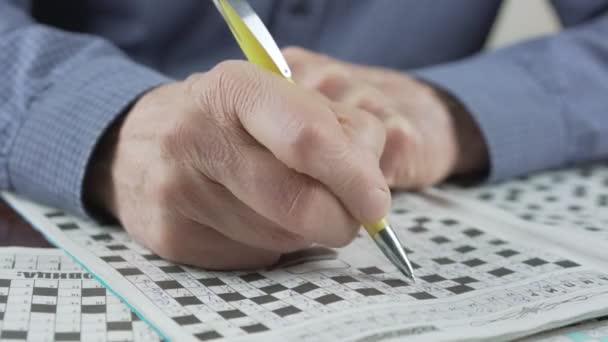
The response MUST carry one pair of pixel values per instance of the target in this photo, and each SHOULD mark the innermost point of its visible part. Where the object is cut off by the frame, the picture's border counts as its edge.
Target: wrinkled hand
(231, 168)
(428, 137)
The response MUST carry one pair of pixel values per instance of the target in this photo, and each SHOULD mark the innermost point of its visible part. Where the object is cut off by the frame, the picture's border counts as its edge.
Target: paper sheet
(46, 296)
(576, 199)
(478, 279)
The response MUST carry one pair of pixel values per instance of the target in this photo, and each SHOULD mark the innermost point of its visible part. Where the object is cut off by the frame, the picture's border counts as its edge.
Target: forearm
(540, 104)
(59, 93)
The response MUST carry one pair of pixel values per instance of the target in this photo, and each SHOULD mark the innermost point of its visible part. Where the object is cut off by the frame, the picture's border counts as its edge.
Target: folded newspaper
(531, 258)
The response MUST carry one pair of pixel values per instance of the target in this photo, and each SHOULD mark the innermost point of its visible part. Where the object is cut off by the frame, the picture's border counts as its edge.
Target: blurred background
(521, 19)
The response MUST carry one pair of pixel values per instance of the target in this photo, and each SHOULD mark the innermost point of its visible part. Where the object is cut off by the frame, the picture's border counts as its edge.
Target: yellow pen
(260, 48)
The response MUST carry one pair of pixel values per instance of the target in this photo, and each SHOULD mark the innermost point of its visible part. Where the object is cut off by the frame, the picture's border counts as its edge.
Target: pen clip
(252, 36)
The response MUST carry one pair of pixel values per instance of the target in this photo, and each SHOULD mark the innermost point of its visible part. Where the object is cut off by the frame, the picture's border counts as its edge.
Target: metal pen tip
(390, 245)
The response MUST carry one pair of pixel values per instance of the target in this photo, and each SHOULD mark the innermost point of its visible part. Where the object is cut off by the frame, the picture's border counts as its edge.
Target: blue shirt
(70, 68)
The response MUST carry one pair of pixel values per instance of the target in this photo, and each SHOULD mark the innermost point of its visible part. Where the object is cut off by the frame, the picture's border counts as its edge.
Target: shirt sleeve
(540, 104)
(59, 92)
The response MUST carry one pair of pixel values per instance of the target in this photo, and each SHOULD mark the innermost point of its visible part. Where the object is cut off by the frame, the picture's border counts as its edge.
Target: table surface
(15, 231)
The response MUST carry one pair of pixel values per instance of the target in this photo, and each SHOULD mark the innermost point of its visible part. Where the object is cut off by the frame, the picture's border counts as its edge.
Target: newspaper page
(478, 279)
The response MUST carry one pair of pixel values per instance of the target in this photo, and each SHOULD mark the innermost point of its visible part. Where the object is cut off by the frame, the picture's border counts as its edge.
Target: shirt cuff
(50, 153)
(519, 118)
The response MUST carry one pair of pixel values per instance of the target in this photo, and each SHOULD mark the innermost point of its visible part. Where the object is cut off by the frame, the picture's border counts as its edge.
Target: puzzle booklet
(498, 263)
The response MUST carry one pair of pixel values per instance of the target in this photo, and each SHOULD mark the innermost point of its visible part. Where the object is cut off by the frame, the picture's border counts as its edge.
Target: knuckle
(334, 78)
(303, 143)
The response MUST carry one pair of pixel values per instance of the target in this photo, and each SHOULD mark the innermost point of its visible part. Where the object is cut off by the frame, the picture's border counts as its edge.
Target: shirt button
(300, 8)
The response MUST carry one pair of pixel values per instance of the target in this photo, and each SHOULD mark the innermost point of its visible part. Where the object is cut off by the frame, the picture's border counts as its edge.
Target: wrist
(98, 182)
(471, 150)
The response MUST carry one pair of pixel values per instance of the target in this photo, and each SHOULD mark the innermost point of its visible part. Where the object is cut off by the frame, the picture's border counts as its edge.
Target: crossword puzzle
(451, 258)
(51, 298)
(575, 198)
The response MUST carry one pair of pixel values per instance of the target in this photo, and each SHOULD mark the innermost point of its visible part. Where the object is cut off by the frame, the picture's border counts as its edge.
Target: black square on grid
(472, 232)
(566, 263)
(432, 278)
(422, 219)
(344, 279)
(440, 239)
(211, 282)
(444, 261)
(287, 311)
(129, 271)
(270, 289)
(231, 314)
(67, 336)
(93, 292)
(188, 300)
(254, 328)
(172, 269)
(102, 237)
(152, 257)
(5, 282)
(306, 287)
(54, 214)
(395, 282)
(507, 253)
(134, 317)
(68, 226)
(371, 270)
(459, 289)
(501, 272)
(251, 277)
(368, 292)
(45, 291)
(486, 196)
(208, 335)
(186, 320)
(117, 247)
(399, 211)
(474, 262)
(535, 262)
(418, 229)
(465, 249)
(465, 280)
(168, 284)
(13, 334)
(498, 242)
(113, 258)
(119, 326)
(44, 308)
(93, 309)
(328, 299)
(231, 296)
(422, 295)
(449, 222)
(414, 265)
(3, 299)
(265, 299)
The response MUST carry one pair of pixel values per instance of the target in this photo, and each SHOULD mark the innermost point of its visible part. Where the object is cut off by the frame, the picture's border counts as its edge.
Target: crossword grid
(51, 298)
(571, 198)
(451, 258)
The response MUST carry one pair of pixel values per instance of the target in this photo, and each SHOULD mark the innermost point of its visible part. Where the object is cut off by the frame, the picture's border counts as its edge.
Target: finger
(330, 79)
(368, 98)
(400, 152)
(362, 127)
(191, 243)
(301, 129)
(294, 202)
(211, 204)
